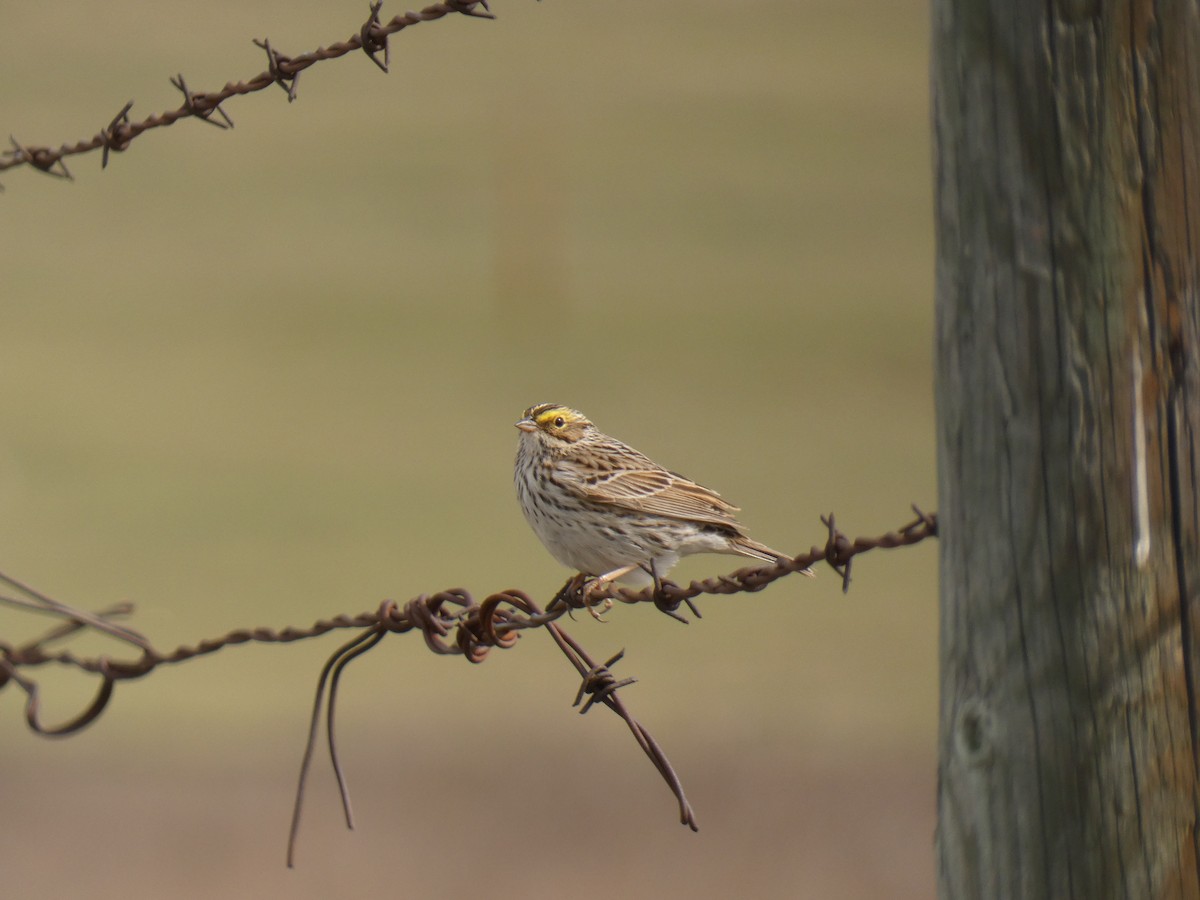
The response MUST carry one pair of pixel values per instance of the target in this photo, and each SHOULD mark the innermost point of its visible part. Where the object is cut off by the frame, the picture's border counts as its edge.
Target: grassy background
(265, 376)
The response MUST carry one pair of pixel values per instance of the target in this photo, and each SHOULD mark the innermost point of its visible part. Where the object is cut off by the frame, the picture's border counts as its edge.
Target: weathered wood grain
(1068, 313)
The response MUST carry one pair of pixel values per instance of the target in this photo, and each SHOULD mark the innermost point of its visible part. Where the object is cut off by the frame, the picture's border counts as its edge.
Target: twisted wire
(282, 70)
(451, 622)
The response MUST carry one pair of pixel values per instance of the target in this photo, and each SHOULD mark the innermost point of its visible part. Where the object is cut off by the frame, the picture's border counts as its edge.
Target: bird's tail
(752, 548)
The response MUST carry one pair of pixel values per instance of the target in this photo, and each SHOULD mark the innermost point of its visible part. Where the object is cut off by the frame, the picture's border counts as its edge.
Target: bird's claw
(590, 605)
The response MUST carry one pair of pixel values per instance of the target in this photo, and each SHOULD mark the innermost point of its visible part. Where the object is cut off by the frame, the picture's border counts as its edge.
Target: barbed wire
(120, 132)
(451, 622)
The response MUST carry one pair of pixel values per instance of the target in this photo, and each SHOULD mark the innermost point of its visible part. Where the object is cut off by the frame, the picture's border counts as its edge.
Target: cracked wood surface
(1066, 140)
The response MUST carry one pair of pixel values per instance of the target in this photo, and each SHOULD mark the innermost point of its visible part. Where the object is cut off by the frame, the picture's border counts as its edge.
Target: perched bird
(606, 510)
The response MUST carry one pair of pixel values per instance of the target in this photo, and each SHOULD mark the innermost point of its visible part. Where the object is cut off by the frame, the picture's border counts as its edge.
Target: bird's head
(555, 425)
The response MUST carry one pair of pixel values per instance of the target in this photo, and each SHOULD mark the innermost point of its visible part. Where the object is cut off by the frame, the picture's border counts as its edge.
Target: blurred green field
(265, 376)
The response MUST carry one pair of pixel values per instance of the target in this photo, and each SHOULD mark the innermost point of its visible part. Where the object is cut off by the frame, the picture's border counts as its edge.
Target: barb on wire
(603, 687)
(116, 136)
(281, 70)
(599, 681)
(374, 39)
(451, 623)
(197, 105)
(276, 62)
(41, 158)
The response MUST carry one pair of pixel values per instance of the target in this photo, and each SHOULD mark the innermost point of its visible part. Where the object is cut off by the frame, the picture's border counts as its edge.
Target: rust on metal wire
(200, 106)
(373, 38)
(117, 135)
(278, 68)
(281, 70)
(450, 622)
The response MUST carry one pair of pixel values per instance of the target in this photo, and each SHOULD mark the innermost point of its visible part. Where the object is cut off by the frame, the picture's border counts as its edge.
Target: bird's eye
(559, 422)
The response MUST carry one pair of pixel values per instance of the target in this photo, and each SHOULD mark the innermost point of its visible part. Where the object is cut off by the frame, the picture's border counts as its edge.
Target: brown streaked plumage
(606, 510)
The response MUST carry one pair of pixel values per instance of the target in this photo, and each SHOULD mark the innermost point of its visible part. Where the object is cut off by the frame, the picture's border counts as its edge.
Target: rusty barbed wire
(451, 622)
(371, 38)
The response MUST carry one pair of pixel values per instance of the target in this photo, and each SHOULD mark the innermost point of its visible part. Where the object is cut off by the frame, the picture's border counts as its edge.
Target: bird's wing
(640, 485)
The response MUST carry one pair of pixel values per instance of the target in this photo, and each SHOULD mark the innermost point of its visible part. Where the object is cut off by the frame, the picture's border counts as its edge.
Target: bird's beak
(527, 425)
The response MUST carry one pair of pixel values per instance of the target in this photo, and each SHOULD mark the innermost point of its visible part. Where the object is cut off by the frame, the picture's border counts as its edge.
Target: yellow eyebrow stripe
(549, 415)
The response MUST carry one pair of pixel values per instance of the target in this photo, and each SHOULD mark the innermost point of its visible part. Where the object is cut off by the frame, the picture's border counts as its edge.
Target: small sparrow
(608, 511)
